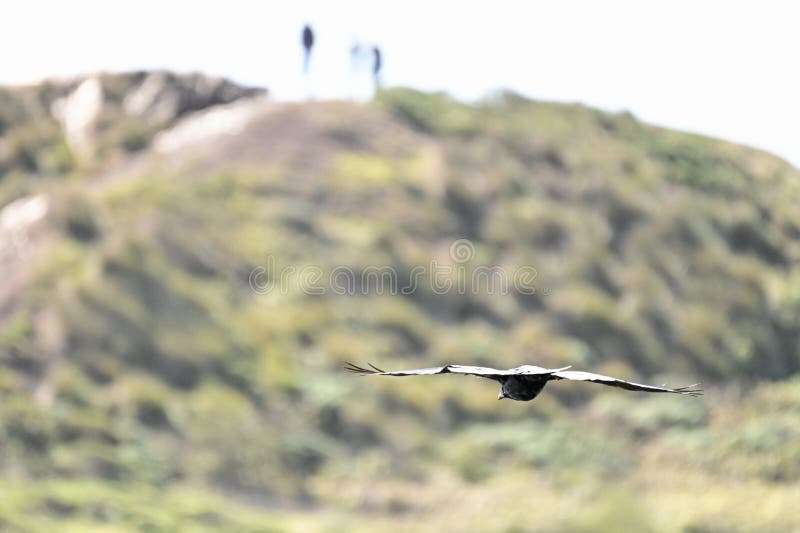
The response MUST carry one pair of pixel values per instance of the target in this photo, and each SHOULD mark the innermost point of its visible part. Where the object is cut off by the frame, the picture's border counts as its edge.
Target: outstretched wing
(614, 382)
(445, 369)
(481, 371)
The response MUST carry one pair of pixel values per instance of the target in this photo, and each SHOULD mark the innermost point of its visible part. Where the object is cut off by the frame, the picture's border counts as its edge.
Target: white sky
(724, 68)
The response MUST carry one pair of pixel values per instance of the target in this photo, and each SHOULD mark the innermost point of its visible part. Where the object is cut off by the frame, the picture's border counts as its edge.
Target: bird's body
(522, 388)
(524, 383)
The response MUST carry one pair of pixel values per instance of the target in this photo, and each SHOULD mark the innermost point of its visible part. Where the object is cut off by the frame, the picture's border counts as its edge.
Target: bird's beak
(501, 395)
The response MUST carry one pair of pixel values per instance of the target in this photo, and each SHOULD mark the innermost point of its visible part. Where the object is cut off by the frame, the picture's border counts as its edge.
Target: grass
(144, 385)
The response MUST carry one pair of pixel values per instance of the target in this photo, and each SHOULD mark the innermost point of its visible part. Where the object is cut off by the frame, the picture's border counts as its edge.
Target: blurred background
(205, 209)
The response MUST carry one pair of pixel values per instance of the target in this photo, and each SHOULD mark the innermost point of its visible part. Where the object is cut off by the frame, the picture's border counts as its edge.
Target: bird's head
(501, 395)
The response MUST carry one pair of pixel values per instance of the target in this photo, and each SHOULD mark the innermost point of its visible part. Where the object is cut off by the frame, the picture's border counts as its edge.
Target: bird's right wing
(445, 369)
(481, 371)
(375, 371)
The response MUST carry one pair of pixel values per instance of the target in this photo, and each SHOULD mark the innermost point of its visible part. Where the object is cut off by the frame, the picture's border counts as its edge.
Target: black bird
(523, 383)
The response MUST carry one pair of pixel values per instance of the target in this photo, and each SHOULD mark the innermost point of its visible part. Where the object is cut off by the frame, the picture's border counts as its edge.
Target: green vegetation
(144, 384)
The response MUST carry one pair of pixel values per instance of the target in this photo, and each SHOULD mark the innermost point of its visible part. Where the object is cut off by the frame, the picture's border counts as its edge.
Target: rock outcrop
(162, 97)
(48, 128)
(78, 113)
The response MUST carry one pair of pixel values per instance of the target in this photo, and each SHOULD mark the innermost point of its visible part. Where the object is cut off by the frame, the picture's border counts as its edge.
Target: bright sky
(724, 68)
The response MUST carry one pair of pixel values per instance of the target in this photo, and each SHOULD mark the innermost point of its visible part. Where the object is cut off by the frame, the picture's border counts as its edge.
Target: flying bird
(523, 383)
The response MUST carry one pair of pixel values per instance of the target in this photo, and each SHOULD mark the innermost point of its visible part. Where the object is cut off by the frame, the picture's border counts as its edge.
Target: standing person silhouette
(356, 55)
(308, 43)
(377, 64)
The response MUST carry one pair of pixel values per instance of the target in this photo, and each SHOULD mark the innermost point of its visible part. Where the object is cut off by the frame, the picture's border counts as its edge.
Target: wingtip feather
(690, 390)
(360, 370)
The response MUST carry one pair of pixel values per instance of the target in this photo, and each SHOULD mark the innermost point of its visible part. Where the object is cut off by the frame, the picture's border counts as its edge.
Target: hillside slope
(157, 343)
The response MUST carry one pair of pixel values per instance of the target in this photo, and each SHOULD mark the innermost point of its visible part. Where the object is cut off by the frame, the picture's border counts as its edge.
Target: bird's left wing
(575, 375)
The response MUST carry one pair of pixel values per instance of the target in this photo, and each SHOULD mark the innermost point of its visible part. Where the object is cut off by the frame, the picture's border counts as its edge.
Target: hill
(178, 308)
